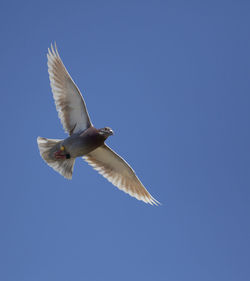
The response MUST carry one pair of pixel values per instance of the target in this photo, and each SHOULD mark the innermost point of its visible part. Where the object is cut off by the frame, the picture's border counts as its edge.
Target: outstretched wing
(69, 102)
(118, 172)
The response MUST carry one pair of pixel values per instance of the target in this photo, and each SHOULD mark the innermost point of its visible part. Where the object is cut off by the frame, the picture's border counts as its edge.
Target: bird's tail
(47, 149)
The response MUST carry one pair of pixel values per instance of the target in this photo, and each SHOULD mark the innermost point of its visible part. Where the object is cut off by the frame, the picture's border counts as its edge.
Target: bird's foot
(59, 155)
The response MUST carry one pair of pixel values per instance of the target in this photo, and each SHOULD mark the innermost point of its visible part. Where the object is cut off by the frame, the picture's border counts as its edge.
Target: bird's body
(82, 143)
(84, 139)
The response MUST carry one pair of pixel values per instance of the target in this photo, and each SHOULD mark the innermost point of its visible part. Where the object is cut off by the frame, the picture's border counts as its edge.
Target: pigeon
(84, 139)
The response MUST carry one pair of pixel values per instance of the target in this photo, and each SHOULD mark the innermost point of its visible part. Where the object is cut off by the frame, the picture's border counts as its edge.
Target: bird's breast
(81, 144)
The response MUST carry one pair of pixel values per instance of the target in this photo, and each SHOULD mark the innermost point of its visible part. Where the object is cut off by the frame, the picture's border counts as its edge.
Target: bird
(84, 139)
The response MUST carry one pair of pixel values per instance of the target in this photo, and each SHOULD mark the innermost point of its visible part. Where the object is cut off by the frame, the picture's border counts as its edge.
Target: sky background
(172, 79)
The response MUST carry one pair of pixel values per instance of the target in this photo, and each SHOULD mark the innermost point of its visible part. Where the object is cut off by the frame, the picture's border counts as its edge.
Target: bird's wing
(69, 102)
(118, 172)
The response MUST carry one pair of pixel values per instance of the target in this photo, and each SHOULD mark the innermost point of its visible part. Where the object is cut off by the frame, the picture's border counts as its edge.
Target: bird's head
(106, 132)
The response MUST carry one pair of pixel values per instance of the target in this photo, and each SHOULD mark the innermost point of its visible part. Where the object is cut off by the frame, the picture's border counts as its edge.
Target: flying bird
(84, 139)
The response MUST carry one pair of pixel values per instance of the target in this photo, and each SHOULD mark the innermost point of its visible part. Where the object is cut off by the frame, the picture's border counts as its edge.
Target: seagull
(84, 139)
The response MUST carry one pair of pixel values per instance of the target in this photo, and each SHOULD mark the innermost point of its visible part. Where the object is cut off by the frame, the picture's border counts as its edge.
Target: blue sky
(172, 79)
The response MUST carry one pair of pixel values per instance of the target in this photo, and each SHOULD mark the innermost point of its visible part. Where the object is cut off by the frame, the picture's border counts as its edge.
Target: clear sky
(172, 79)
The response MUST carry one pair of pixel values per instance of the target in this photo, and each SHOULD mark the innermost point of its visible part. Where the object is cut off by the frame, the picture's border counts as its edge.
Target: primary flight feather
(84, 139)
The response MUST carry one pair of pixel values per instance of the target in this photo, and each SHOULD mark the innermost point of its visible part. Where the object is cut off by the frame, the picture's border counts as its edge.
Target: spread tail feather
(47, 149)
